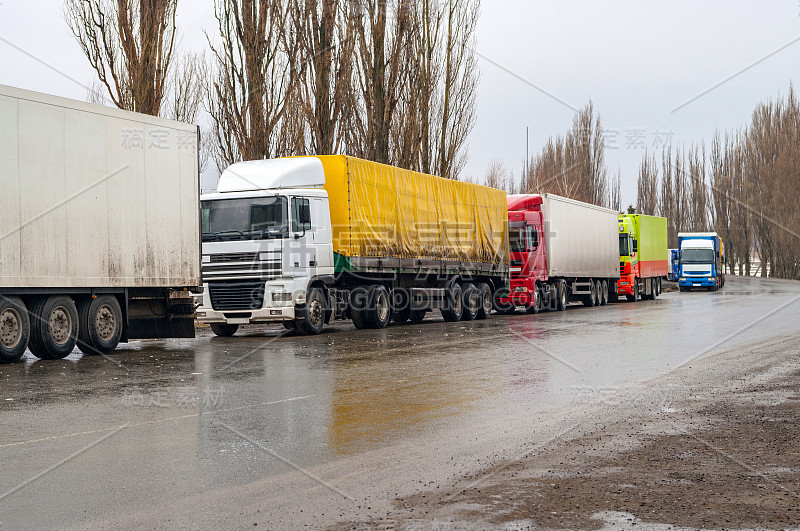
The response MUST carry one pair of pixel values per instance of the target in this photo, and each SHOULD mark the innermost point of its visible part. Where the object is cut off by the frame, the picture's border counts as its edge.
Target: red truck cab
(528, 252)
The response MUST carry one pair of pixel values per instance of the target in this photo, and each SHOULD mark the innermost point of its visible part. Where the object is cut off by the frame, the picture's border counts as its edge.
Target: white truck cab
(266, 238)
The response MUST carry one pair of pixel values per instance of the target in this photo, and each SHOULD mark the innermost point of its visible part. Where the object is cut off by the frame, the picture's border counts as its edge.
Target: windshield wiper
(219, 236)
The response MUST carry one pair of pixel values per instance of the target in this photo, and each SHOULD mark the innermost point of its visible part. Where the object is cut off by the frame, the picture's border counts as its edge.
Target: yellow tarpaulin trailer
(398, 216)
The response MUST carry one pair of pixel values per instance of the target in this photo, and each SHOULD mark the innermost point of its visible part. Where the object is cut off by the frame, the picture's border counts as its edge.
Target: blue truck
(702, 261)
(674, 265)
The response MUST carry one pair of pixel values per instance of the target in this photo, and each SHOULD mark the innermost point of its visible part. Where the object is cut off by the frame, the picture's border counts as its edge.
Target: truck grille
(516, 268)
(236, 296)
(242, 266)
(234, 257)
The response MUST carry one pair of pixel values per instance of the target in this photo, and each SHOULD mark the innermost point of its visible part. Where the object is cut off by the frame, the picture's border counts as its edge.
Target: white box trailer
(582, 240)
(582, 250)
(99, 226)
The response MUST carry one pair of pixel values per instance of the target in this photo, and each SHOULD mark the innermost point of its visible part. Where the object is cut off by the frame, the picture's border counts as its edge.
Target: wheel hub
(105, 323)
(383, 308)
(60, 325)
(315, 311)
(10, 328)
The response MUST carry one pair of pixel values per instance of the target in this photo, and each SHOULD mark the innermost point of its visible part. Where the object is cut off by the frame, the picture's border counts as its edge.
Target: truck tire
(485, 298)
(100, 324)
(536, 307)
(15, 329)
(54, 327)
(472, 302)
(314, 321)
(591, 299)
(417, 316)
(454, 303)
(655, 289)
(379, 309)
(223, 329)
(359, 300)
(561, 296)
(635, 296)
(604, 292)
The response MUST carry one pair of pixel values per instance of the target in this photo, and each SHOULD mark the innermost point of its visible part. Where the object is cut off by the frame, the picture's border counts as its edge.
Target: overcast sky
(637, 61)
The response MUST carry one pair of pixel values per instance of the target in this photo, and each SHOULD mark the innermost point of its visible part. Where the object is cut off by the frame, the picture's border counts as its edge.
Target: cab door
(300, 253)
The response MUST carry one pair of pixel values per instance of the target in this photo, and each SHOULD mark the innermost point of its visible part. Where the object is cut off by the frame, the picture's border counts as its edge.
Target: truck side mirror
(635, 246)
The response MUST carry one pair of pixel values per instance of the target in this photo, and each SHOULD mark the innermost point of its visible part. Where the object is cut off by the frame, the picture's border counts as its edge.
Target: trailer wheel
(604, 292)
(485, 298)
(224, 330)
(453, 304)
(54, 327)
(15, 329)
(591, 299)
(314, 321)
(417, 316)
(472, 303)
(561, 298)
(100, 321)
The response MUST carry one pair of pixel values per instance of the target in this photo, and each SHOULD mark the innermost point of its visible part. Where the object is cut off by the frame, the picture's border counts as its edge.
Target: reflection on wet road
(194, 416)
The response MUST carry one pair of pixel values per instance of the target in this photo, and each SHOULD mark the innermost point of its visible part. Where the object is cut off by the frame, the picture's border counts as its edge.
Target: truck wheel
(485, 298)
(453, 304)
(15, 329)
(536, 307)
(380, 309)
(591, 299)
(417, 316)
(472, 303)
(54, 327)
(314, 321)
(604, 293)
(224, 330)
(635, 296)
(561, 296)
(359, 300)
(100, 321)
(655, 289)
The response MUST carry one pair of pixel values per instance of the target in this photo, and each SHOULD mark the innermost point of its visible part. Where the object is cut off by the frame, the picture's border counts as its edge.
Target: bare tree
(327, 40)
(254, 78)
(647, 186)
(573, 165)
(129, 44)
(381, 73)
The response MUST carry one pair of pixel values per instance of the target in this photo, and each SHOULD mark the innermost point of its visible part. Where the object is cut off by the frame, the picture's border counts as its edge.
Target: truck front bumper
(264, 315)
(520, 294)
(697, 282)
(625, 285)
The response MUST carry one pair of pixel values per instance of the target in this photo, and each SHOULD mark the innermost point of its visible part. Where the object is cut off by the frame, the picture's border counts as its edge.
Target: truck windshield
(623, 246)
(516, 240)
(697, 256)
(254, 218)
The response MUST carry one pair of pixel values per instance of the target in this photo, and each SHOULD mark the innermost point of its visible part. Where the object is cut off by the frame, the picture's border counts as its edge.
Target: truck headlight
(281, 297)
(683, 279)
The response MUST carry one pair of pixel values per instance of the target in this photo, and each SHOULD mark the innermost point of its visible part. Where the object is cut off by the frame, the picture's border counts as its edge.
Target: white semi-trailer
(99, 226)
(562, 250)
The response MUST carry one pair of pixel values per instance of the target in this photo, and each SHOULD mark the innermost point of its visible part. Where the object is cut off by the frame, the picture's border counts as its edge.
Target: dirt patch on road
(742, 470)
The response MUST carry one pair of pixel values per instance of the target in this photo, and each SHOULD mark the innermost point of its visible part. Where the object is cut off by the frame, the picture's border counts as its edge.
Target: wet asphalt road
(288, 431)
